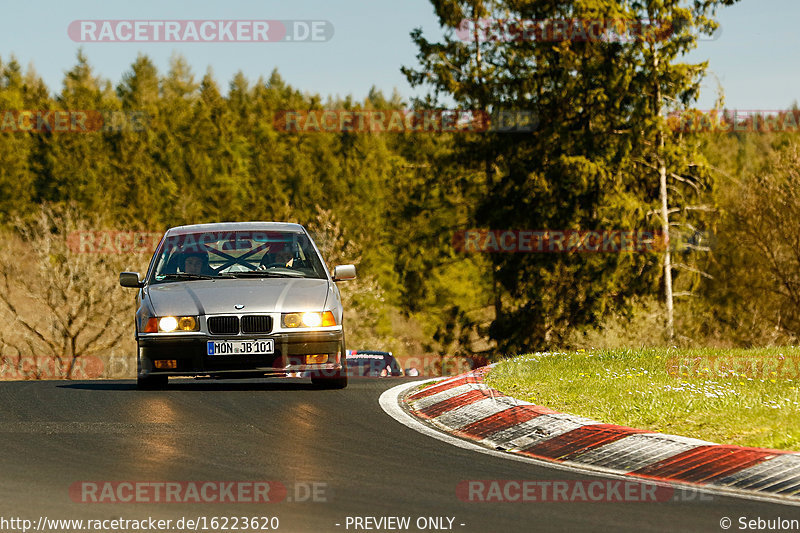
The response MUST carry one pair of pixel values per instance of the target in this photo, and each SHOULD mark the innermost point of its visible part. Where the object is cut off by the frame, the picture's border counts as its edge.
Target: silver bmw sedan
(239, 299)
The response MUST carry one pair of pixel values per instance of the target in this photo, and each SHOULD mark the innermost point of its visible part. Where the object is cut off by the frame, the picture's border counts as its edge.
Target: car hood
(262, 295)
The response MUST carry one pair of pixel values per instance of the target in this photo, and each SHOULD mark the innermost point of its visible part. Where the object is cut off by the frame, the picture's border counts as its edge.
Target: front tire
(151, 382)
(339, 382)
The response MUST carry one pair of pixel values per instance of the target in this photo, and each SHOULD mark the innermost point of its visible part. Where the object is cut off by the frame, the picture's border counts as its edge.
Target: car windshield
(236, 254)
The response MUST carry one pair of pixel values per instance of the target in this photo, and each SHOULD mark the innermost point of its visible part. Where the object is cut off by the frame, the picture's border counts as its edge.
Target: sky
(751, 57)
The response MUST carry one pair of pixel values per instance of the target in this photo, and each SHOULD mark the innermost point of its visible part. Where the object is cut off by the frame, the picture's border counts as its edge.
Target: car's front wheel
(151, 382)
(338, 382)
(338, 379)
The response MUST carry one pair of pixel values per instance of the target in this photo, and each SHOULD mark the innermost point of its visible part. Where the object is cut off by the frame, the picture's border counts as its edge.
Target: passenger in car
(197, 263)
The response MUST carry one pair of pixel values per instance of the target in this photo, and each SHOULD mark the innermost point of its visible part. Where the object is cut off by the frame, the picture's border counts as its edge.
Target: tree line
(602, 157)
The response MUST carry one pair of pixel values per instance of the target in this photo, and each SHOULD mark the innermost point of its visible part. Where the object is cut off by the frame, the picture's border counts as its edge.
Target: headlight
(312, 320)
(168, 324)
(187, 323)
(291, 320)
(308, 320)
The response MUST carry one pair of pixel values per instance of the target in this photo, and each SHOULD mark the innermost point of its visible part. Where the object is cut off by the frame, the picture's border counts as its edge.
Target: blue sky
(751, 58)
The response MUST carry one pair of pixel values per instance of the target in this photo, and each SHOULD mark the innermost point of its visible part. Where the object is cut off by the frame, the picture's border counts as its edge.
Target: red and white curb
(465, 407)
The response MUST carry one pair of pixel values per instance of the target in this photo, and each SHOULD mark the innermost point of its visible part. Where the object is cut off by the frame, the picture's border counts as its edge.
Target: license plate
(248, 347)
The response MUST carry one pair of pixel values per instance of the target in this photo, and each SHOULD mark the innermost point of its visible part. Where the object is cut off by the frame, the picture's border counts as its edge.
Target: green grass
(745, 397)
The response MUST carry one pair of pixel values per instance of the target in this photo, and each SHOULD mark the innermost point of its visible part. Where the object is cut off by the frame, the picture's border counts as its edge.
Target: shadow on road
(197, 385)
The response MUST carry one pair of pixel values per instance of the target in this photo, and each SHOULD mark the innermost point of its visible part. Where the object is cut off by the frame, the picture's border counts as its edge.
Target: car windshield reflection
(238, 254)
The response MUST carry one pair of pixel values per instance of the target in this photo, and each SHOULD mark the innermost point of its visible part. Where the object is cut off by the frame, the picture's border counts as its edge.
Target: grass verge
(747, 397)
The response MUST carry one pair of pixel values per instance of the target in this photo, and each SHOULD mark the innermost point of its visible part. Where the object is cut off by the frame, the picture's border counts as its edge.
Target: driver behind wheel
(197, 263)
(278, 255)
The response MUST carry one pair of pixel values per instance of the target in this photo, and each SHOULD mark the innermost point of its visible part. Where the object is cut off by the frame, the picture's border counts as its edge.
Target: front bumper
(190, 353)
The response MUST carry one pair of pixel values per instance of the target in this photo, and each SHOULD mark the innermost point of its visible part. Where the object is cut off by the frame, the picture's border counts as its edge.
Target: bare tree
(60, 304)
(757, 289)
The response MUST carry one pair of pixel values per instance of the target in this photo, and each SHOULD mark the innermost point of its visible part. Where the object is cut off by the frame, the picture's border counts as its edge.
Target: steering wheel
(273, 265)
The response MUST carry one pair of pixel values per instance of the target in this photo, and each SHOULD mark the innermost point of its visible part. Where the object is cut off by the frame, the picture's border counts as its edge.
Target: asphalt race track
(363, 463)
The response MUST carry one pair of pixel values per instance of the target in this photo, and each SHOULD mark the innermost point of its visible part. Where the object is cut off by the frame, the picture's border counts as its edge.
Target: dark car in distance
(372, 363)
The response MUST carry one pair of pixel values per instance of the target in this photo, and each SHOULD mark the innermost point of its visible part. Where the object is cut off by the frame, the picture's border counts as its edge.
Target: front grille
(256, 324)
(223, 325)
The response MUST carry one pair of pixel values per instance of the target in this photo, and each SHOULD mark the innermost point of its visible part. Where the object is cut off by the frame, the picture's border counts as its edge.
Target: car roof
(237, 226)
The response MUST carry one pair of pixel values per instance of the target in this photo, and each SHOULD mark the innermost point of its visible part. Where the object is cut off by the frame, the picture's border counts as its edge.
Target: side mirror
(344, 272)
(130, 279)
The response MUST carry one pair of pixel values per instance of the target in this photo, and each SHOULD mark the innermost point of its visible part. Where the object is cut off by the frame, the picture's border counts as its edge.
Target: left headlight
(168, 324)
(308, 320)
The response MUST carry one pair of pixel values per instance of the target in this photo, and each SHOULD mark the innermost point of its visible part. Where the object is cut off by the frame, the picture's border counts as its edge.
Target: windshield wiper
(185, 275)
(266, 274)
